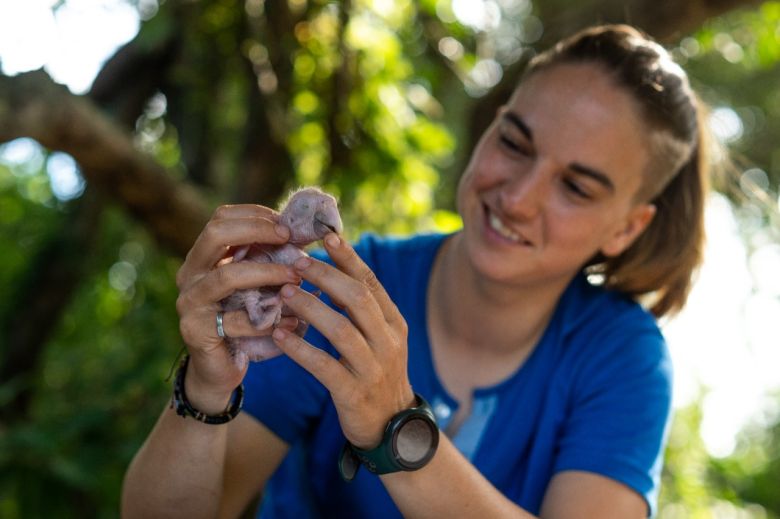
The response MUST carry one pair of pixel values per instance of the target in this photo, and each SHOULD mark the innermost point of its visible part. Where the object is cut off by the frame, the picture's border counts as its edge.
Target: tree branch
(32, 105)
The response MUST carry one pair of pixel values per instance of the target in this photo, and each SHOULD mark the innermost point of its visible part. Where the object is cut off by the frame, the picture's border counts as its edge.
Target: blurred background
(124, 123)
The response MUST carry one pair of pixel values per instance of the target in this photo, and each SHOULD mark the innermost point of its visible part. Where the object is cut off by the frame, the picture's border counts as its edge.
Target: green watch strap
(392, 455)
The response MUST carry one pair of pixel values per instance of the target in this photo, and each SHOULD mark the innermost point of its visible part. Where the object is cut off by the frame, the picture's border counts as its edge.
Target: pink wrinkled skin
(310, 214)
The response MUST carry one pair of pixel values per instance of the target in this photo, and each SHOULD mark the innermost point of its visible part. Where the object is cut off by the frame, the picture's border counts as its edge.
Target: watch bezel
(395, 428)
(385, 457)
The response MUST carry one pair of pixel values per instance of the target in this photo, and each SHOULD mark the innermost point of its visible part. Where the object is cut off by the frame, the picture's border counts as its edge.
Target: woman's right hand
(205, 278)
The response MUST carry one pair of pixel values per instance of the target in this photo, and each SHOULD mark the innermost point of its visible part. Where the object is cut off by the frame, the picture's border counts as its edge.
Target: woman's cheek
(464, 185)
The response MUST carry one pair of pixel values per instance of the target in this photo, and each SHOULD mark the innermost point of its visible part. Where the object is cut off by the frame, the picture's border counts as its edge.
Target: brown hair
(658, 267)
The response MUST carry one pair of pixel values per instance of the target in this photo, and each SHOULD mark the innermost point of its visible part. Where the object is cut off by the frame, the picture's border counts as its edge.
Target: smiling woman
(725, 338)
(553, 394)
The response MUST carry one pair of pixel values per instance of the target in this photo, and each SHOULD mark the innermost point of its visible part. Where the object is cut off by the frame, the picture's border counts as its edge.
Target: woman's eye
(513, 145)
(576, 189)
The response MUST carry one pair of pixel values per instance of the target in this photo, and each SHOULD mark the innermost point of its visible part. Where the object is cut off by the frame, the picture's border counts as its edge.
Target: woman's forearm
(449, 486)
(178, 471)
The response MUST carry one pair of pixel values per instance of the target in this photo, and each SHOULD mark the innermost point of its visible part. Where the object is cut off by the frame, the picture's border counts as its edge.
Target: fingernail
(288, 291)
(302, 263)
(332, 240)
(282, 231)
(279, 334)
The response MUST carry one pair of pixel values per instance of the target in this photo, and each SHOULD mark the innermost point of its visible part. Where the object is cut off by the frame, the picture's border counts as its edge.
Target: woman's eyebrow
(602, 178)
(595, 174)
(518, 122)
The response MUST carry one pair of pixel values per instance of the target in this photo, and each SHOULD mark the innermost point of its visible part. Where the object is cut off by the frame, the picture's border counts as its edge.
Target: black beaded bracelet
(184, 408)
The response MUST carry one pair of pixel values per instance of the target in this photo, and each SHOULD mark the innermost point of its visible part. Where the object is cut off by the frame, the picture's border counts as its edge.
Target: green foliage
(744, 484)
(752, 472)
(101, 380)
(361, 112)
(100, 384)
(684, 485)
(362, 118)
(25, 218)
(733, 62)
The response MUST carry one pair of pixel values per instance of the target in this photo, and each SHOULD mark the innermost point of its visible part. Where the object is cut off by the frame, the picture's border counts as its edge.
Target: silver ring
(220, 329)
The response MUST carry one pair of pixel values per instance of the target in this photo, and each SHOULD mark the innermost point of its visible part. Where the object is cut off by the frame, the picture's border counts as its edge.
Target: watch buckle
(349, 463)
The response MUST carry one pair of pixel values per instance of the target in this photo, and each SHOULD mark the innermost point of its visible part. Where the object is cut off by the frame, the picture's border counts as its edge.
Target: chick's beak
(329, 219)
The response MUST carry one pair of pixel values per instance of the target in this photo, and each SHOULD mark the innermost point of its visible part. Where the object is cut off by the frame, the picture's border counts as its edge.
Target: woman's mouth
(496, 224)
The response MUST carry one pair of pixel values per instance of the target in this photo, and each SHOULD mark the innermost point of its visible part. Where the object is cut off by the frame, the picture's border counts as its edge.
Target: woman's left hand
(369, 383)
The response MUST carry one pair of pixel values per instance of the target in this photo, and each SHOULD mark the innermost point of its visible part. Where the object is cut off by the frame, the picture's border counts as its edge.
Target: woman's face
(552, 181)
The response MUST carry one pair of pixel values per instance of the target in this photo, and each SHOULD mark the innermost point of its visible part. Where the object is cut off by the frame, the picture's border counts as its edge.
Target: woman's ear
(638, 220)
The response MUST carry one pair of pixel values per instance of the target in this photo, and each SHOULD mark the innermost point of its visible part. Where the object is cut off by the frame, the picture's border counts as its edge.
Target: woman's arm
(253, 454)
(190, 469)
(184, 465)
(178, 470)
(450, 486)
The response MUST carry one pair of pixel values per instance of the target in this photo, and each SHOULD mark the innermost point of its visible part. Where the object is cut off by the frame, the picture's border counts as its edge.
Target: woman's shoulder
(608, 344)
(585, 304)
(599, 323)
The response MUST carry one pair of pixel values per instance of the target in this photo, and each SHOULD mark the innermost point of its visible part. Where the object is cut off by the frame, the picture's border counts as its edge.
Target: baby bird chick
(310, 214)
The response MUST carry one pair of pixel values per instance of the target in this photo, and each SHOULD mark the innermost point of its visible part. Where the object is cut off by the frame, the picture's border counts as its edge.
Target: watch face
(415, 441)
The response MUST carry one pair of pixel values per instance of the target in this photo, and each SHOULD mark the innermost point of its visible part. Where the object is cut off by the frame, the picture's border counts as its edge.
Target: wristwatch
(408, 444)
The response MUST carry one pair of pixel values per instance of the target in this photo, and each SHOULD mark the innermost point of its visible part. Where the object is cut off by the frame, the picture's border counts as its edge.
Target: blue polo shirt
(595, 395)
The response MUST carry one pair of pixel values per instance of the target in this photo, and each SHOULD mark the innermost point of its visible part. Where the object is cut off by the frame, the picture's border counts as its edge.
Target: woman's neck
(493, 317)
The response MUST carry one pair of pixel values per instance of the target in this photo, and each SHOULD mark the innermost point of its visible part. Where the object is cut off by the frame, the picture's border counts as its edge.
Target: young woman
(551, 391)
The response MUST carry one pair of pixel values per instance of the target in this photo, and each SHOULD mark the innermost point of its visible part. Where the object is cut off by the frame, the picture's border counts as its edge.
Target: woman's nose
(525, 194)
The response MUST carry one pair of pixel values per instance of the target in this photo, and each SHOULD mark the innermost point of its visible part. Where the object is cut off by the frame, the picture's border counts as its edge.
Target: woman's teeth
(497, 225)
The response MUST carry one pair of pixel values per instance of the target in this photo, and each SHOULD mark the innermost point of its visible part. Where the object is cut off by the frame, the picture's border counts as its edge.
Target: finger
(210, 357)
(330, 372)
(347, 293)
(225, 280)
(244, 211)
(337, 328)
(214, 241)
(199, 328)
(237, 324)
(347, 260)
(222, 233)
